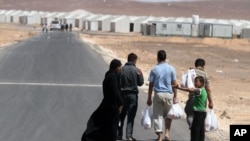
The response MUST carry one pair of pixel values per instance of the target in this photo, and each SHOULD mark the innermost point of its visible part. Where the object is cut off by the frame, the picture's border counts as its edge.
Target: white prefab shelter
(145, 25)
(2, 16)
(60, 16)
(33, 17)
(150, 27)
(215, 30)
(86, 22)
(50, 17)
(30, 17)
(8, 16)
(23, 19)
(120, 24)
(80, 12)
(93, 23)
(173, 28)
(238, 25)
(70, 19)
(79, 21)
(5, 15)
(15, 16)
(104, 22)
(75, 17)
(43, 19)
(245, 34)
(222, 30)
(135, 23)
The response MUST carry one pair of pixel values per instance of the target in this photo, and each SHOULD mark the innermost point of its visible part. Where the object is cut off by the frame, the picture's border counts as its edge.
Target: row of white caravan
(153, 26)
(203, 28)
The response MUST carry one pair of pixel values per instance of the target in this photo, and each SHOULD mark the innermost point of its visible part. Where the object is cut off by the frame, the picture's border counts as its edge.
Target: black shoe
(119, 138)
(131, 139)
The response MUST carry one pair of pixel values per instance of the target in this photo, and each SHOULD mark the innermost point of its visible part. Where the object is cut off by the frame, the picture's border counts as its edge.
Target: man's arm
(185, 89)
(140, 77)
(174, 84)
(150, 90)
(209, 95)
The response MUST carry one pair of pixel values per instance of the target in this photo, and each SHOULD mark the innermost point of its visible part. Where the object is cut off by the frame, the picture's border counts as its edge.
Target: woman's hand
(120, 109)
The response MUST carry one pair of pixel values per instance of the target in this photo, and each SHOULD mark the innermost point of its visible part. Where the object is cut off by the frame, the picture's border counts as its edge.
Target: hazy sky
(164, 0)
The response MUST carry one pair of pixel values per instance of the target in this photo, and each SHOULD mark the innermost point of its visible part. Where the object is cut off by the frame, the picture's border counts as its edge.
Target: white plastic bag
(211, 122)
(176, 112)
(146, 121)
(187, 79)
(184, 80)
(190, 78)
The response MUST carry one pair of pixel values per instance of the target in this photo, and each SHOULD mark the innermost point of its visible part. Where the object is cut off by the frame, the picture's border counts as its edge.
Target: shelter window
(206, 27)
(164, 26)
(179, 26)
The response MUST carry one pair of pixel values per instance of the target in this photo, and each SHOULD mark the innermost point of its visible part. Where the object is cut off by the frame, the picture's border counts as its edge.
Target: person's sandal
(167, 139)
(131, 139)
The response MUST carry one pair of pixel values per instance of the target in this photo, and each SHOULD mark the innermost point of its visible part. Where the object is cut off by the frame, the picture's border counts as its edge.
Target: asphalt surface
(49, 86)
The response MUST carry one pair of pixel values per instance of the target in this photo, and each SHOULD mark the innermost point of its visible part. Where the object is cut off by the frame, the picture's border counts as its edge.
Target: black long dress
(103, 123)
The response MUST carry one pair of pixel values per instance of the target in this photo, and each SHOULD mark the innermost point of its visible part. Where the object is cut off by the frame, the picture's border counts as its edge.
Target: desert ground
(227, 63)
(227, 60)
(14, 33)
(223, 9)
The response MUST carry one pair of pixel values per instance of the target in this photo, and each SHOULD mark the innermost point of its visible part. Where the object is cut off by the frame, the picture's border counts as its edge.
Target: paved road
(49, 86)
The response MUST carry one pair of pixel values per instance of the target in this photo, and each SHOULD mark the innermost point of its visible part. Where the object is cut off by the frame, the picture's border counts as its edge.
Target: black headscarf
(113, 65)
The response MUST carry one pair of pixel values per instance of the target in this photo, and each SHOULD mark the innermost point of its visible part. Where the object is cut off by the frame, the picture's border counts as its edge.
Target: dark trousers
(189, 110)
(198, 126)
(129, 110)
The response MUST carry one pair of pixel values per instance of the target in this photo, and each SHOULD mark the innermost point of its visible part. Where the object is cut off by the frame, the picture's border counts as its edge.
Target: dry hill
(224, 9)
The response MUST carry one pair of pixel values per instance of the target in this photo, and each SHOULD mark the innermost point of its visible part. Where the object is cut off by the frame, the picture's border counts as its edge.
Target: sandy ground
(228, 60)
(14, 33)
(227, 63)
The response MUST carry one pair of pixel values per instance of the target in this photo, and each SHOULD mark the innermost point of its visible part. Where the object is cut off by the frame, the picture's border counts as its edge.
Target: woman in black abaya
(103, 123)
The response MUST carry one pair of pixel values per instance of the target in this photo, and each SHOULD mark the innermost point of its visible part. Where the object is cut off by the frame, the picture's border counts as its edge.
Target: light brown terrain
(223, 9)
(227, 60)
(13, 33)
(227, 63)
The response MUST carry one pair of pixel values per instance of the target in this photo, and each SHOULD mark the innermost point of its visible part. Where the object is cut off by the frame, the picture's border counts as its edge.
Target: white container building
(135, 23)
(79, 21)
(245, 34)
(8, 16)
(49, 17)
(215, 30)
(15, 16)
(104, 22)
(173, 27)
(86, 22)
(146, 25)
(120, 24)
(2, 16)
(34, 17)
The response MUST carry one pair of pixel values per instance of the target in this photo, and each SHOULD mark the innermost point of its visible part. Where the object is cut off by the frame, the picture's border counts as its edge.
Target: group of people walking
(120, 90)
(66, 27)
(63, 27)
